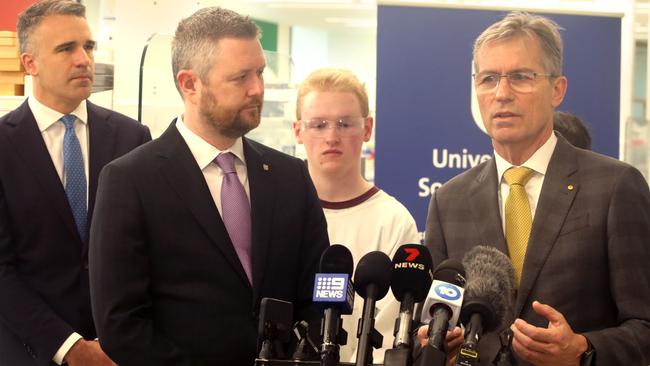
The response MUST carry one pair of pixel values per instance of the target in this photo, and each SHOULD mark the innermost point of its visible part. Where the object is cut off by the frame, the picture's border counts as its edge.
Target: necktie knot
(226, 162)
(68, 120)
(519, 175)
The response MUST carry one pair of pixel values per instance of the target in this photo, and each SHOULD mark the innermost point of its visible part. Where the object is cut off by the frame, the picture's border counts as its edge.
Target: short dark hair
(29, 19)
(194, 44)
(572, 128)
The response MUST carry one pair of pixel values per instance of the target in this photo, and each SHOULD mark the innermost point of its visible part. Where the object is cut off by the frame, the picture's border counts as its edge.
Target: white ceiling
(362, 14)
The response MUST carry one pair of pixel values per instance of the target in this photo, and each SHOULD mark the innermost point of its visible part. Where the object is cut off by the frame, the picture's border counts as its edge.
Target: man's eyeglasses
(344, 127)
(519, 81)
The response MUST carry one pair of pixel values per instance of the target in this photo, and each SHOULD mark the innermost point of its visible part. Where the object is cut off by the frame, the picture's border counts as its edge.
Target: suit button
(86, 266)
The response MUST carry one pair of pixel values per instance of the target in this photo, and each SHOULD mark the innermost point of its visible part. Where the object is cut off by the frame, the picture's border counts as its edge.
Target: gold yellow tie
(518, 217)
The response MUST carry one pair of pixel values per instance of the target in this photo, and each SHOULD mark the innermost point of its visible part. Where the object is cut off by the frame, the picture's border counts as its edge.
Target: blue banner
(426, 132)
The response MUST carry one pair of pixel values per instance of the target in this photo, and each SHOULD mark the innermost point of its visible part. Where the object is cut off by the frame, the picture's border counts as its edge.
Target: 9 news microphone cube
(334, 289)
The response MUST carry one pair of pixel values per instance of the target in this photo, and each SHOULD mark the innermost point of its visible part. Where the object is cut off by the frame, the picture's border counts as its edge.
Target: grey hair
(517, 24)
(32, 17)
(194, 44)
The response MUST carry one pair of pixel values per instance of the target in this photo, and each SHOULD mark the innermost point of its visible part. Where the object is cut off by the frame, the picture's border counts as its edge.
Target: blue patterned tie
(236, 211)
(75, 177)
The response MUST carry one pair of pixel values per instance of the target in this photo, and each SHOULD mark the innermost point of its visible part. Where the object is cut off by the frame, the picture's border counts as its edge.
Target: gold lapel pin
(265, 167)
(570, 187)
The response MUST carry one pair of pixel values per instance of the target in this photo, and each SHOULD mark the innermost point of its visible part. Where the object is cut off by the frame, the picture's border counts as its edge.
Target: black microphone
(371, 282)
(412, 277)
(442, 309)
(333, 291)
(488, 298)
(274, 327)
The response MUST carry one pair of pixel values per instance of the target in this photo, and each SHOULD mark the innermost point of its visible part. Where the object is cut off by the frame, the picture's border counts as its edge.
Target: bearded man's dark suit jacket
(588, 251)
(167, 286)
(44, 292)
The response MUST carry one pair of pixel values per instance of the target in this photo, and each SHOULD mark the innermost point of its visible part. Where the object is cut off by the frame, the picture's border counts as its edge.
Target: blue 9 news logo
(447, 291)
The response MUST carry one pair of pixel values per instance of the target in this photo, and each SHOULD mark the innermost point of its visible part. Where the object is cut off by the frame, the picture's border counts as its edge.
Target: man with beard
(192, 230)
(52, 148)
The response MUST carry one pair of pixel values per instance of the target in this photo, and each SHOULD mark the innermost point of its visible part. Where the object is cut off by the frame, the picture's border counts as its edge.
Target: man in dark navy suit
(52, 149)
(193, 229)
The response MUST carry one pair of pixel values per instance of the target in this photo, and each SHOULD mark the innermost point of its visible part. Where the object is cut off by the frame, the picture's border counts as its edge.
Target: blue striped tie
(75, 177)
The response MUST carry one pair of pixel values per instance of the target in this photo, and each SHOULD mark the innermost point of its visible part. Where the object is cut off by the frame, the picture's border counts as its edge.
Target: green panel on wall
(269, 38)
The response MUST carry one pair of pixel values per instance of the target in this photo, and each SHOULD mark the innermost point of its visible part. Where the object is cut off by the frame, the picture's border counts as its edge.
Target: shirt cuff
(65, 347)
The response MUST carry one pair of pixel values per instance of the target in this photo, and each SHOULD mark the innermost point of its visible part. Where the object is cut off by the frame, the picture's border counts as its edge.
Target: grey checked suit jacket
(588, 252)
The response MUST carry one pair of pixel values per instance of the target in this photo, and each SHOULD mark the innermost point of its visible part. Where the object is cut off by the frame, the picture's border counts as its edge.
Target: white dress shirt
(538, 163)
(204, 154)
(52, 131)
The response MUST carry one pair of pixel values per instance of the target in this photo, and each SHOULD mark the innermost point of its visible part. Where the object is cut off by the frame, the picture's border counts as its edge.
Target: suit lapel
(180, 170)
(262, 186)
(558, 192)
(29, 144)
(483, 200)
(101, 137)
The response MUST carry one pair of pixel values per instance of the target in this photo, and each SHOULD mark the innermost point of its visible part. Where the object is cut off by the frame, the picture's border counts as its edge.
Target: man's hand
(556, 345)
(85, 352)
(454, 339)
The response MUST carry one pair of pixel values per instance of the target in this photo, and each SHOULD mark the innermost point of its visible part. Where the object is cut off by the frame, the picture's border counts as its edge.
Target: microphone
(442, 306)
(488, 298)
(371, 282)
(412, 277)
(274, 327)
(333, 291)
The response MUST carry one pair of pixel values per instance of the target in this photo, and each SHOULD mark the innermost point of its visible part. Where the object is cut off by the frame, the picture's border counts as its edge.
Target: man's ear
(296, 131)
(189, 84)
(559, 90)
(29, 63)
(367, 129)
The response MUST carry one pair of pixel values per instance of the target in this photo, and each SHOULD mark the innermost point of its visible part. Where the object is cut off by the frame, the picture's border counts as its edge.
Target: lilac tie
(236, 211)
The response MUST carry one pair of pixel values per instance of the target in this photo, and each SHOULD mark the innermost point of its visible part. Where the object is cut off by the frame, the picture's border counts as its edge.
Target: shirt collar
(203, 152)
(538, 162)
(46, 116)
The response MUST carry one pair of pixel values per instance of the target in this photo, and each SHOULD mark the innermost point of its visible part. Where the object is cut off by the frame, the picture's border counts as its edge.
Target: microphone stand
(333, 335)
(400, 354)
(505, 356)
(369, 337)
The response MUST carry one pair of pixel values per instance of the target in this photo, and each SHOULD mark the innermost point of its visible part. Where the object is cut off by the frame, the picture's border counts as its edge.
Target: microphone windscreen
(450, 271)
(336, 259)
(490, 285)
(412, 272)
(373, 268)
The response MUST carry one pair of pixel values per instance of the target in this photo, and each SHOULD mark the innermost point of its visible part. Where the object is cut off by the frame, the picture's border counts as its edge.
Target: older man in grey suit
(576, 225)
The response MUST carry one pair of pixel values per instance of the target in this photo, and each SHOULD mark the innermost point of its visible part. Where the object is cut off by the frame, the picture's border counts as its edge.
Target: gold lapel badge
(265, 167)
(570, 187)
